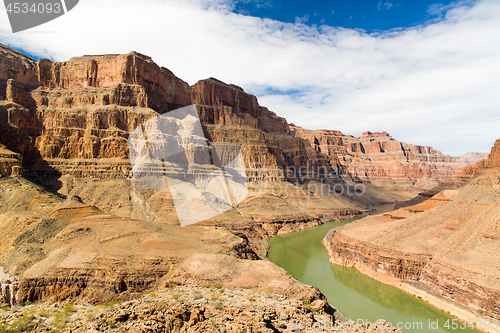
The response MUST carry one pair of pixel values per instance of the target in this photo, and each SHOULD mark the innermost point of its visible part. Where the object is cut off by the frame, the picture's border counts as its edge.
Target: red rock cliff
(494, 157)
(72, 112)
(381, 159)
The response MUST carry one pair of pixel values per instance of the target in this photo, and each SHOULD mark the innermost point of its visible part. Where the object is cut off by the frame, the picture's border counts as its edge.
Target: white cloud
(436, 85)
(302, 19)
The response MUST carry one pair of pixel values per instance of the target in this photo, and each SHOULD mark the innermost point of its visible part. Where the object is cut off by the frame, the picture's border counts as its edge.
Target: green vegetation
(218, 305)
(309, 306)
(108, 305)
(218, 285)
(19, 324)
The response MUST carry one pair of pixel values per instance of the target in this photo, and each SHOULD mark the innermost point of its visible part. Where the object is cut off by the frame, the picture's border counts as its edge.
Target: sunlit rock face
(382, 160)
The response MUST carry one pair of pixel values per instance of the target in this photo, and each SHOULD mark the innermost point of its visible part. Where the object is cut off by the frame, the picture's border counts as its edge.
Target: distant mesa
(471, 158)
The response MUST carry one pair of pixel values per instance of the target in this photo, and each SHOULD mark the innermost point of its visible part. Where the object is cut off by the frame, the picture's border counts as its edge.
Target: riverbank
(448, 306)
(445, 248)
(362, 245)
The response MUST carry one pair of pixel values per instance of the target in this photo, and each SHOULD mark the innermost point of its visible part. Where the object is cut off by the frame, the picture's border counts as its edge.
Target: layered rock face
(494, 157)
(84, 109)
(449, 243)
(10, 162)
(379, 158)
(74, 118)
(16, 65)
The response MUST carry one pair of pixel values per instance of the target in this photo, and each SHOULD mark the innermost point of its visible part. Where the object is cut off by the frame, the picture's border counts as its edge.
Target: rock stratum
(447, 244)
(71, 120)
(61, 117)
(382, 160)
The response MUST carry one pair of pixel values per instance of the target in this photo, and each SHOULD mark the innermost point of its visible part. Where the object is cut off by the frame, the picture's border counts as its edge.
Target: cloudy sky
(428, 73)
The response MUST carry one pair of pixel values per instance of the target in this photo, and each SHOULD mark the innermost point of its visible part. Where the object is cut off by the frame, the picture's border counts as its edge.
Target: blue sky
(369, 15)
(426, 72)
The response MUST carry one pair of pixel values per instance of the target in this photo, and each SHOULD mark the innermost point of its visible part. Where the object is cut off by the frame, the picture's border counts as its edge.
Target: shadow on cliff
(39, 171)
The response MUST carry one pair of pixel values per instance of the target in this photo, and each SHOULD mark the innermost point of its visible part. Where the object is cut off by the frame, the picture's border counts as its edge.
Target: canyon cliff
(65, 126)
(382, 160)
(447, 244)
(75, 224)
(63, 117)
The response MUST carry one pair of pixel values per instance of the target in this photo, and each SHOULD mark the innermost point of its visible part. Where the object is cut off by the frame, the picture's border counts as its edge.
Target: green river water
(355, 295)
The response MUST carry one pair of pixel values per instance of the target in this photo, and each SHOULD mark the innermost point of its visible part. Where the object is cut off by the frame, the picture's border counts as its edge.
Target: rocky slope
(382, 160)
(181, 309)
(103, 272)
(448, 243)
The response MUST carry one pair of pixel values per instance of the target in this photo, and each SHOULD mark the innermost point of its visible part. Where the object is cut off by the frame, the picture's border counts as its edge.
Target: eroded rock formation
(73, 119)
(449, 243)
(84, 108)
(382, 160)
(79, 224)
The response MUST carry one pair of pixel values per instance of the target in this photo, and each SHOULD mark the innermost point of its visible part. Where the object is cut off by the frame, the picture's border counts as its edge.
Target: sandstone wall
(379, 158)
(86, 107)
(461, 285)
(494, 157)
(163, 89)
(10, 163)
(351, 252)
(17, 66)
